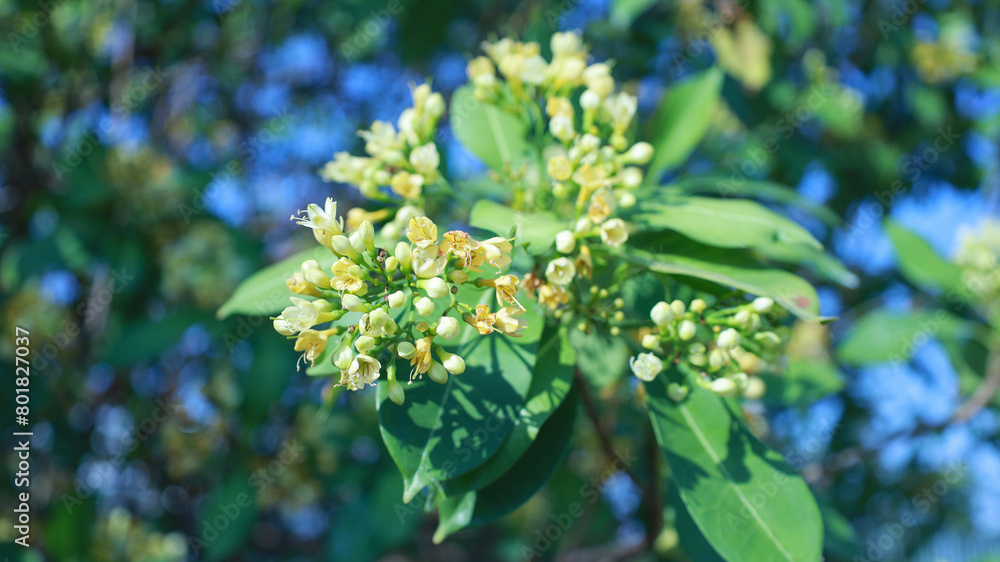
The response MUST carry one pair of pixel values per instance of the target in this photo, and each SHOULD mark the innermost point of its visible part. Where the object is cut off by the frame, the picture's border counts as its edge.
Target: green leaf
(265, 293)
(727, 223)
(602, 358)
(234, 500)
(551, 380)
(839, 536)
(746, 501)
(787, 289)
(919, 263)
(823, 264)
(683, 119)
(624, 12)
(803, 382)
(537, 230)
(492, 134)
(887, 335)
(518, 484)
(446, 430)
(739, 186)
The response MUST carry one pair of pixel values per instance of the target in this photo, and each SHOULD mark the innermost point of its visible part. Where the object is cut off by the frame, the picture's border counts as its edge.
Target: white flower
(566, 44)
(661, 314)
(621, 108)
(630, 178)
(322, 218)
(354, 303)
(728, 339)
(452, 363)
(560, 271)
(425, 159)
(532, 70)
(562, 127)
(686, 330)
(762, 304)
(435, 287)
(364, 344)
(723, 387)
(650, 341)
(614, 233)
(302, 316)
(640, 153)
(424, 306)
(405, 349)
(646, 366)
(365, 369)
(397, 299)
(589, 100)
(447, 328)
(698, 306)
(565, 242)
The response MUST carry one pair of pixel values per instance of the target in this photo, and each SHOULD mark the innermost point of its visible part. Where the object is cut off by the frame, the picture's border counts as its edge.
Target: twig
(602, 434)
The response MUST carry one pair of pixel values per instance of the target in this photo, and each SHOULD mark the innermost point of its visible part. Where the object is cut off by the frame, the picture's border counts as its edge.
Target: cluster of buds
(979, 257)
(398, 302)
(591, 168)
(721, 351)
(405, 160)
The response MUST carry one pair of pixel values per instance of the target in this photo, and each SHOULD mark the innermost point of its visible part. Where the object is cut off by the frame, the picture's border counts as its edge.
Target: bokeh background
(152, 152)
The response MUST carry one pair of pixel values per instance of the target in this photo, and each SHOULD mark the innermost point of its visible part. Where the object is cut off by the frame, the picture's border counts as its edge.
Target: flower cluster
(398, 301)
(979, 257)
(720, 351)
(590, 166)
(405, 160)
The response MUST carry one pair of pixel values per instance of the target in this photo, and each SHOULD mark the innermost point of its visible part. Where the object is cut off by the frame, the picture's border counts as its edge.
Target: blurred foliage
(152, 150)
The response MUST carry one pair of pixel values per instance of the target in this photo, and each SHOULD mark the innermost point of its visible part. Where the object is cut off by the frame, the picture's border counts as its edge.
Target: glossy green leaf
(762, 190)
(804, 381)
(682, 119)
(265, 292)
(746, 501)
(446, 430)
(893, 336)
(551, 380)
(536, 230)
(787, 289)
(823, 264)
(492, 134)
(727, 223)
(518, 484)
(919, 263)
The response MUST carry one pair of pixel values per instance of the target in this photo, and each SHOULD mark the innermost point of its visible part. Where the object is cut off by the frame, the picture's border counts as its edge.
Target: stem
(602, 434)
